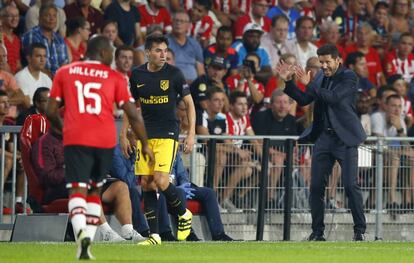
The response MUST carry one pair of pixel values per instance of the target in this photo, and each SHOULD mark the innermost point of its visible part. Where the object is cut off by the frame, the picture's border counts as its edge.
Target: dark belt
(330, 131)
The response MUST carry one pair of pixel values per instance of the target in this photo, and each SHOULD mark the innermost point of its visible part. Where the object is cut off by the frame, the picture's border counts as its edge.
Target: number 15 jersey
(89, 90)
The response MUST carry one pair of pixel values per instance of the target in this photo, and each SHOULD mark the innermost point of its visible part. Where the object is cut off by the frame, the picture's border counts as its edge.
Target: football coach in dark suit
(336, 132)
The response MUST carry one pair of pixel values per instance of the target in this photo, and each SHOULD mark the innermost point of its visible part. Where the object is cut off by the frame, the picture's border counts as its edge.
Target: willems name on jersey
(89, 72)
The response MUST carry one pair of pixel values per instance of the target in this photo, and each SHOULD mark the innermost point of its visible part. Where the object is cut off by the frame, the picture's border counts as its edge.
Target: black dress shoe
(316, 237)
(359, 237)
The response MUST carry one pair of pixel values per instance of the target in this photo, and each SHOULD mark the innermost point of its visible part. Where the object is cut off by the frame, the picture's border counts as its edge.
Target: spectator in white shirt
(274, 41)
(31, 77)
(303, 48)
(391, 124)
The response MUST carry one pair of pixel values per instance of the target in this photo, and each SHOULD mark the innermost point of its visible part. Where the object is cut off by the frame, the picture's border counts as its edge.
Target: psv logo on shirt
(164, 84)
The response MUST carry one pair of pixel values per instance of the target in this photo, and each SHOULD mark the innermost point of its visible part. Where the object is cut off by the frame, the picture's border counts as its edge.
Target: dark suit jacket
(339, 101)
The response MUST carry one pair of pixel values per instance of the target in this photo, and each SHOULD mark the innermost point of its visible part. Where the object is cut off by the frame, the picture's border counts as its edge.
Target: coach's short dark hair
(328, 49)
(33, 46)
(235, 95)
(155, 38)
(352, 58)
(36, 96)
(123, 48)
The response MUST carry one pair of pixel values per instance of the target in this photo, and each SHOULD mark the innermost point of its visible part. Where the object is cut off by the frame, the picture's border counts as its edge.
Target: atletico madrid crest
(164, 84)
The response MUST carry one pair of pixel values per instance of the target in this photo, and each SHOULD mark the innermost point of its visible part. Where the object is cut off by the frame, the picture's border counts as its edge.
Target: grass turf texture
(251, 252)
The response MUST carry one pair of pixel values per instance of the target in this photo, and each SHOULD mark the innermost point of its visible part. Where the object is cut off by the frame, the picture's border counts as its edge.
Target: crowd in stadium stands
(227, 51)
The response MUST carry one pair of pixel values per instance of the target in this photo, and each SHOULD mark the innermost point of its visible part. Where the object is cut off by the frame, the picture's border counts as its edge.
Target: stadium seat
(195, 207)
(35, 126)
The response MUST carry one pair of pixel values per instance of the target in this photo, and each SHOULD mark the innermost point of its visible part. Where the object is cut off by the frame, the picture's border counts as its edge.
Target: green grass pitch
(251, 252)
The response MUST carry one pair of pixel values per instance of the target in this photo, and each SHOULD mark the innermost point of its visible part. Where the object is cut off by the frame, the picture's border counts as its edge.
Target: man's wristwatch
(400, 130)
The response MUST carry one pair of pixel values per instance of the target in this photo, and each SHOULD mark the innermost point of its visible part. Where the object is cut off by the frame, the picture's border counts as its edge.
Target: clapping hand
(188, 190)
(284, 70)
(395, 121)
(303, 76)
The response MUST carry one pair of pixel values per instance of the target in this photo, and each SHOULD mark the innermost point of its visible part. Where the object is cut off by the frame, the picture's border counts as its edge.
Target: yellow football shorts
(164, 154)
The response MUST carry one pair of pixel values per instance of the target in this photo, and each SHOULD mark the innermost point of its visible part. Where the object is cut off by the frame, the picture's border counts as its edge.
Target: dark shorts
(86, 166)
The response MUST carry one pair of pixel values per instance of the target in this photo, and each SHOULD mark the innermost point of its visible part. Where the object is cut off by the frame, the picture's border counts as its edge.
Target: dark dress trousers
(336, 132)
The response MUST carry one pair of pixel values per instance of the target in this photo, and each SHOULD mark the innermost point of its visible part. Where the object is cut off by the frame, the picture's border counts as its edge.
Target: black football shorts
(86, 166)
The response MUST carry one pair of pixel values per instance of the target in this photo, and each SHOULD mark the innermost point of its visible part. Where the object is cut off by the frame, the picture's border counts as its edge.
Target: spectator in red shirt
(155, 13)
(348, 17)
(329, 31)
(4, 121)
(363, 44)
(223, 9)
(357, 62)
(222, 48)
(202, 23)
(238, 123)
(245, 82)
(381, 25)
(401, 59)
(10, 21)
(77, 31)
(257, 16)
